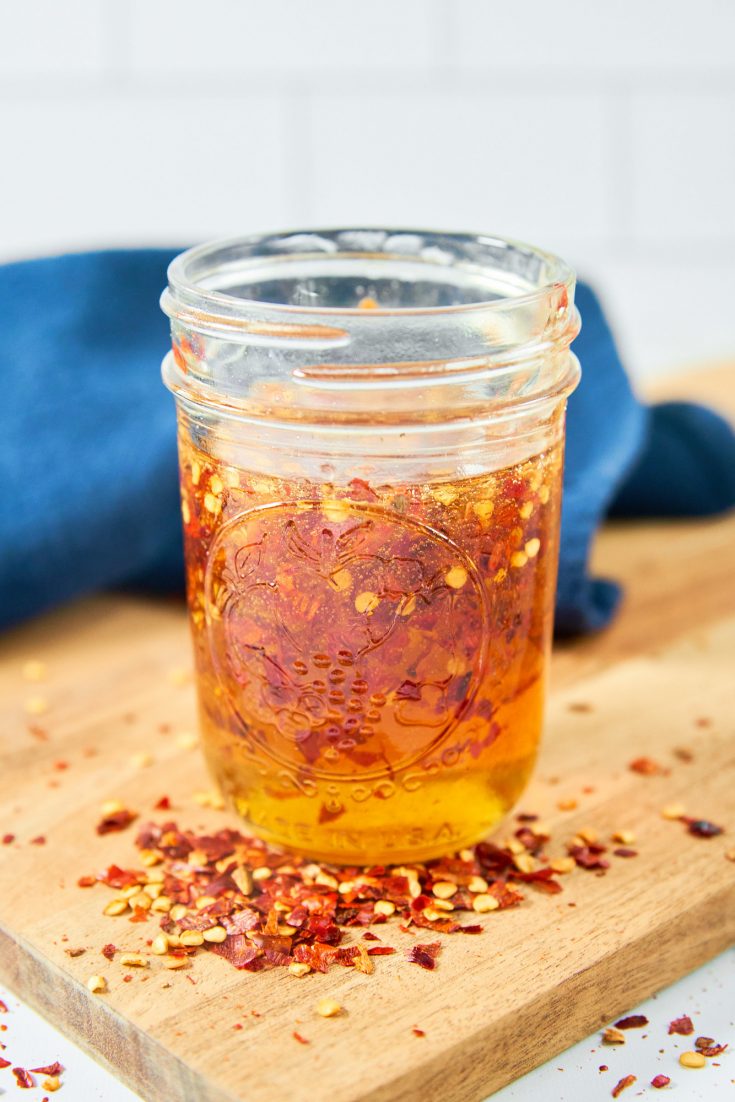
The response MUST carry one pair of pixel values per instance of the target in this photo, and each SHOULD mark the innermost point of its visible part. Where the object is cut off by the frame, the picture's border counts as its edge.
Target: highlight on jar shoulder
(371, 436)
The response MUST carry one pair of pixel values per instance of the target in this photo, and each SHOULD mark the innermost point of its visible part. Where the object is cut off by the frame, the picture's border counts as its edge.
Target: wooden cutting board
(539, 978)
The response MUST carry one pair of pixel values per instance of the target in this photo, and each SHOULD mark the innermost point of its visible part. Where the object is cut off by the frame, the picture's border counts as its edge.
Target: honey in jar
(371, 446)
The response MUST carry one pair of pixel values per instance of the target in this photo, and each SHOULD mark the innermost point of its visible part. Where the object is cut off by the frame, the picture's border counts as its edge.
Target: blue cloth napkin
(88, 464)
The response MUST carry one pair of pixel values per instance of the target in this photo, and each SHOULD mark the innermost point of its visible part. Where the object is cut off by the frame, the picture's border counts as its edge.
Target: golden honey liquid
(371, 659)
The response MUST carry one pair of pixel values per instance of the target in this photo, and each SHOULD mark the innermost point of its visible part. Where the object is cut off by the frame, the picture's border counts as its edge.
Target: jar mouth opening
(368, 273)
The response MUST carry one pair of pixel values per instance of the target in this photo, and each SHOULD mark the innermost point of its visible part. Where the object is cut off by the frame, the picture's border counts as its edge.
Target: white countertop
(707, 996)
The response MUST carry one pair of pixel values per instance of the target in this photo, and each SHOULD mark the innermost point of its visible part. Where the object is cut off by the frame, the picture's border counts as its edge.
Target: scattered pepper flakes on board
(257, 907)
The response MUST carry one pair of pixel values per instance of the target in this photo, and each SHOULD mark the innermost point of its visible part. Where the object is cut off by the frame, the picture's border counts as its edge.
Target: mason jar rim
(187, 286)
(469, 325)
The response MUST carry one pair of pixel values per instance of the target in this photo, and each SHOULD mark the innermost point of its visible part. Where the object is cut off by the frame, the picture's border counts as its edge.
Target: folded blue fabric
(88, 462)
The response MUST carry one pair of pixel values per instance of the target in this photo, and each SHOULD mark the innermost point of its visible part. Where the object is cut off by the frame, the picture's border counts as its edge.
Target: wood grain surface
(539, 978)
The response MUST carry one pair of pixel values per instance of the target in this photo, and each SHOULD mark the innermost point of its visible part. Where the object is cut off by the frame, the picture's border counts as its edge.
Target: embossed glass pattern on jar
(371, 430)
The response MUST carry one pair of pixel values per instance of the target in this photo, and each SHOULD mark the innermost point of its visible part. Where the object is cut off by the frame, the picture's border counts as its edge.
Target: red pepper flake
(603, 1067)
(164, 804)
(118, 820)
(425, 955)
(109, 951)
(4, 1063)
(633, 1021)
(303, 895)
(302, 1040)
(50, 1069)
(703, 721)
(24, 1079)
(588, 857)
(3, 1007)
(623, 1084)
(647, 767)
(8, 839)
(86, 881)
(418, 1032)
(684, 1026)
(710, 1049)
(38, 732)
(40, 840)
(237, 1025)
(625, 851)
(61, 765)
(660, 1081)
(703, 828)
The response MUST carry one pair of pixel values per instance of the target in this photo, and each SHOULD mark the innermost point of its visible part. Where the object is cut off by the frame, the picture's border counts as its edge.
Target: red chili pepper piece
(50, 1069)
(623, 1084)
(646, 767)
(703, 828)
(660, 1081)
(300, 1039)
(4, 1063)
(633, 1021)
(425, 955)
(24, 1079)
(109, 951)
(684, 1026)
(711, 1050)
(119, 820)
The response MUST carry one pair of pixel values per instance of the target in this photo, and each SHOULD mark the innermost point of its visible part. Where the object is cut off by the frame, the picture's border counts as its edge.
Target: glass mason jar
(371, 428)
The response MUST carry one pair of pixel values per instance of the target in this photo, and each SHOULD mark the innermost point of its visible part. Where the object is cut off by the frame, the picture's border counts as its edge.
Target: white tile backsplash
(279, 37)
(586, 36)
(603, 131)
(683, 167)
(50, 37)
(122, 170)
(458, 160)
